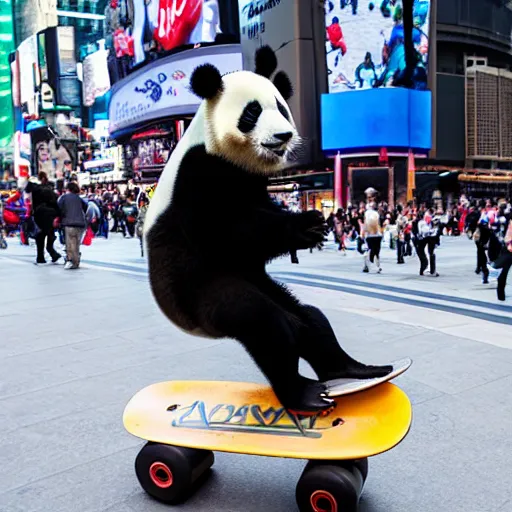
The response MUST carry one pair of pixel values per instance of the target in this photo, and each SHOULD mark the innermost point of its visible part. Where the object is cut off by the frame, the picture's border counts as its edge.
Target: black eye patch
(249, 117)
(283, 110)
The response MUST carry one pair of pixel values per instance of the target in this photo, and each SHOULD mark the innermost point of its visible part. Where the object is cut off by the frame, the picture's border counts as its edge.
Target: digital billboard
(27, 57)
(96, 81)
(365, 43)
(159, 26)
(66, 46)
(41, 52)
(393, 118)
(6, 46)
(162, 90)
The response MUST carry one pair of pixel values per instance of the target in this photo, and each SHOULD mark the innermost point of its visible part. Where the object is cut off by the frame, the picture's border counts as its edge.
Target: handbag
(89, 235)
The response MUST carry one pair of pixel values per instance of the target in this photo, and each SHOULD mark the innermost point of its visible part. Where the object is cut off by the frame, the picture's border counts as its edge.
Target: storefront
(320, 200)
(308, 190)
(150, 109)
(497, 184)
(100, 164)
(147, 151)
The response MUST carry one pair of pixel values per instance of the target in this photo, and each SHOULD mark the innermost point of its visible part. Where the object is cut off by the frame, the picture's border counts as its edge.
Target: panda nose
(284, 136)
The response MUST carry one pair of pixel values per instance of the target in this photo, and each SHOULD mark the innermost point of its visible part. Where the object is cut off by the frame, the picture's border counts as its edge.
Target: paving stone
(75, 347)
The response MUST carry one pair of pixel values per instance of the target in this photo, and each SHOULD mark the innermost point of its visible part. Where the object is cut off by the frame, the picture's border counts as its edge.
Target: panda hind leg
(234, 308)
(320, 348)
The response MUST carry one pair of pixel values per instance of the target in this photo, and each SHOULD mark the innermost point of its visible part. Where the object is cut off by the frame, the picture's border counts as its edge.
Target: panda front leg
(234, 308)
(320, 348)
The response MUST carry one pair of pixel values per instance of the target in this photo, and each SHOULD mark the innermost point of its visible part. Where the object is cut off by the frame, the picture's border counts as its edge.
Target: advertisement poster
(159, 25)
(365, 43)
(266, 22)
(96, 80)
(187, 22)
(66, 43)
(22, 153)
(27, 55)
(51, 157)
(163, 90)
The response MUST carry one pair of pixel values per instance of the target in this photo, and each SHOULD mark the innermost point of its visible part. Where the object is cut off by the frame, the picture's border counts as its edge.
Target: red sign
(383, 156)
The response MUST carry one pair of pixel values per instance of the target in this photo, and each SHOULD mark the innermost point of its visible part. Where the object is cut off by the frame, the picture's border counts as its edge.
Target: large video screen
(365, 43)
(66, 45)
(27, 55)
(155, 26)
(393, 118)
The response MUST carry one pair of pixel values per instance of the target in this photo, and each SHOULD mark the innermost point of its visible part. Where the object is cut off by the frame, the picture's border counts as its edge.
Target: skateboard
(185, 421)
(341, 387)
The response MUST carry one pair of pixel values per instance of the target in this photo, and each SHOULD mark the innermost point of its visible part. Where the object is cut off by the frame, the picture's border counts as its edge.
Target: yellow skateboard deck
(247, 418)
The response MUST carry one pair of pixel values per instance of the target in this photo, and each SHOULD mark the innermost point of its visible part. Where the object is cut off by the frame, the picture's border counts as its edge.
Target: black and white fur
(211, 228)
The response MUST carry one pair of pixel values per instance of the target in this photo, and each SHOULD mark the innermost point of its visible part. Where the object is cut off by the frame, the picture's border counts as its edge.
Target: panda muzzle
(276, 148)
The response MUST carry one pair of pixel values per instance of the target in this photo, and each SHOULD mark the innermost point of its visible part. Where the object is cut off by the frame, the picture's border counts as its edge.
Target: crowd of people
(418, 229)
(75, 214)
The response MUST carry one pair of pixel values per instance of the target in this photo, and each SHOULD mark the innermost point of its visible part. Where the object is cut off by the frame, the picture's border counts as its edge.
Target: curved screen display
(162, 90)
(365, 43)
(158, 26)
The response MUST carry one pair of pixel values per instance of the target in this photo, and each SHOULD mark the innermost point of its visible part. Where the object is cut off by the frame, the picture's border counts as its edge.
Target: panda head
(247, 119)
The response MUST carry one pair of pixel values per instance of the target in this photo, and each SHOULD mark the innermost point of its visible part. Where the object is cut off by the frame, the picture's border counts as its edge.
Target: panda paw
(308, 399)
(311, 230)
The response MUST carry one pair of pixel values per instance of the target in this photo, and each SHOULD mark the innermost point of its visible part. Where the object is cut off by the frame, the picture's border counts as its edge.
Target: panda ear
(206, 81)
(283, 85)
(266, 61)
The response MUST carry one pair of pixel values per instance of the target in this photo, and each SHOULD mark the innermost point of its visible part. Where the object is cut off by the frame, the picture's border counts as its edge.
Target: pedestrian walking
(401, 224)
(373, 237)
(504, 262)
(340, 222)
(44, 211)
(72, 210)
(428, 238)
(129, 216)
(139, 225)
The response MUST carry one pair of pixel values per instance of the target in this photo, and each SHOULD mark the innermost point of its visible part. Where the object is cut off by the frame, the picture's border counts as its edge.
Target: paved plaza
(75, 346)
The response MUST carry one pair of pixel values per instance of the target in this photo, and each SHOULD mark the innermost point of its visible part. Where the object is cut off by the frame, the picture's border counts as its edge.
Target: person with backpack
(129, 212)
(93, 215)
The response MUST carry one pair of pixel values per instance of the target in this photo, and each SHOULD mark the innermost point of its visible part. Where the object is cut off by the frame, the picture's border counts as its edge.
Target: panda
(211, 228)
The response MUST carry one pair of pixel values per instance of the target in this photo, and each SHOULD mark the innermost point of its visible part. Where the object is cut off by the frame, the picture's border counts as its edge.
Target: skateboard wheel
(170, 473)
(328, 487)
(362, 466)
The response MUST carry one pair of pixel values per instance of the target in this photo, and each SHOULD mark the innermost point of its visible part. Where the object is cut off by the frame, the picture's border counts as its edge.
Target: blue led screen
(393, 118)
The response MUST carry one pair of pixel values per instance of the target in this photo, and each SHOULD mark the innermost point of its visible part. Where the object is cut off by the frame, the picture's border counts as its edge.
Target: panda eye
(283, 110)
(249, 117)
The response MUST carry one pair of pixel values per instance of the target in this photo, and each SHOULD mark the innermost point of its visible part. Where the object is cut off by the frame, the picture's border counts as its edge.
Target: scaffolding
(488, 113)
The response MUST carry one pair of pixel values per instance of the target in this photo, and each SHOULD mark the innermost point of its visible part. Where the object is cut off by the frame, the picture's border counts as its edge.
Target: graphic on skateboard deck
(247, 418)
(341, 387)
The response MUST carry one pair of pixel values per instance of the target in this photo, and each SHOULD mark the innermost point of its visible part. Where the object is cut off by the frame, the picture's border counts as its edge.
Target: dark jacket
(72, 209)
(44, 205)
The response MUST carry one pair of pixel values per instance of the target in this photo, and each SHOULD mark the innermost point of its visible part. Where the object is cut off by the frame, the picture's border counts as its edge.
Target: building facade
(473, 96)
(448, 134)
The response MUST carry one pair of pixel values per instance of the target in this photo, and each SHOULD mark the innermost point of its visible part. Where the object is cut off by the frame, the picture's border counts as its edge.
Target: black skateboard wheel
(362, 466)
(170, 473)
(329, 486)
